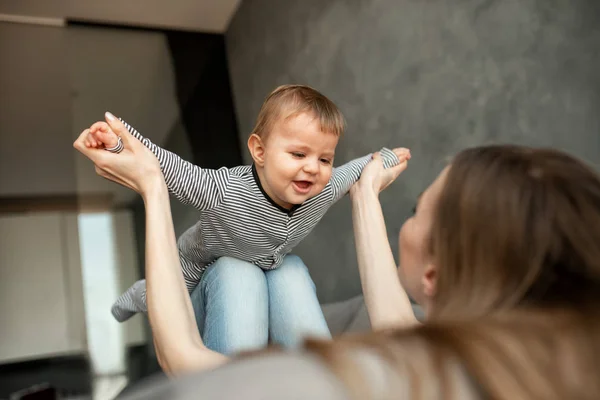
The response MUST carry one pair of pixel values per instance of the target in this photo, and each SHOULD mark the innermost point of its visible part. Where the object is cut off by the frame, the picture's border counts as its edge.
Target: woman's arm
(178, 344)
(200, 187)
(387, 303)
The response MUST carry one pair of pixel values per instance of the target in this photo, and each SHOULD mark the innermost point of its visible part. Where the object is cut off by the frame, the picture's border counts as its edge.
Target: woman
(502, 228)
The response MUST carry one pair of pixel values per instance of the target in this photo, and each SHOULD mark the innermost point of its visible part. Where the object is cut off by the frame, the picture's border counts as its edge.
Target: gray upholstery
(285, 376)
(268, 377)
(350, 316)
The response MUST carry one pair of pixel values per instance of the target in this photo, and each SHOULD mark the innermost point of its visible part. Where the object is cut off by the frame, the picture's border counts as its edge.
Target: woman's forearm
(386, 300)
(176, 337)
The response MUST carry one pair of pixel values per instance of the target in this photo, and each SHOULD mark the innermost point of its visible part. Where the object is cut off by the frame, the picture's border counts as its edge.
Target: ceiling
(193, 15)
(55, 82)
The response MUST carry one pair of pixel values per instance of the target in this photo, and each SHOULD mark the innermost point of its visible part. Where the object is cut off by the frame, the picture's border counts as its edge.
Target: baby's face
(298, 159)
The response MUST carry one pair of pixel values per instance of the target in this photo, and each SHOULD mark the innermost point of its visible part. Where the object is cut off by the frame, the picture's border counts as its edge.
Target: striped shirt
(238, 219)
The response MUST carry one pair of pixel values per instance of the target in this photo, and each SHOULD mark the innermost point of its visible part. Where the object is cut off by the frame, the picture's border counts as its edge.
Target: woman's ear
(257, 149)
(429, 281)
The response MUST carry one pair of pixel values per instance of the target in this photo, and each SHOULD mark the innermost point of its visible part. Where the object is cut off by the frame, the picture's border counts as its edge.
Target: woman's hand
(175, 333)
(135, 167)
(387, 303)
(375, 178)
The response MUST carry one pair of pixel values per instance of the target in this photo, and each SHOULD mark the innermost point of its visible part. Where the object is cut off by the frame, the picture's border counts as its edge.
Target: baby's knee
(295, 263)
(292, 268)
(230, 267)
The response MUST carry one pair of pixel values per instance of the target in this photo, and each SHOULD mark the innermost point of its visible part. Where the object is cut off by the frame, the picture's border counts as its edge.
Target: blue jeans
(239, 306)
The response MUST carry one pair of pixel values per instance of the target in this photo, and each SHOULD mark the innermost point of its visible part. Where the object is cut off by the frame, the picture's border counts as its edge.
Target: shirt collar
(280, 208)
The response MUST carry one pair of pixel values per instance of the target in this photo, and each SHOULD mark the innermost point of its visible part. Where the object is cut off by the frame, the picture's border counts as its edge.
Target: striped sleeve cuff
(117, 148)
(135, 133)
(389, 158)
(345, 176)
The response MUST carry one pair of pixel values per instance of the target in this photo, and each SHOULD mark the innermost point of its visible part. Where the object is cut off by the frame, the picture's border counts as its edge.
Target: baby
(257, 213)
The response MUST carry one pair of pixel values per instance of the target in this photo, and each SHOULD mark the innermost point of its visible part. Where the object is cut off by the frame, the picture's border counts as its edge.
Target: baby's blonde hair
(288, 101)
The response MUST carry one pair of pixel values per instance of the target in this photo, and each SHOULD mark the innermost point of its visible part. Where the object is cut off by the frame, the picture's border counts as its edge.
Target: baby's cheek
(326, 175)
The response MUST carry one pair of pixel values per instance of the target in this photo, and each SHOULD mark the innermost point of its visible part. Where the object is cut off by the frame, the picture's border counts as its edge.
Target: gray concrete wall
(435, 76)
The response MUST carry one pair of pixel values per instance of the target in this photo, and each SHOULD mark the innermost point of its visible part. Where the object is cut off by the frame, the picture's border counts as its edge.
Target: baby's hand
(402, 153)
(101, 136)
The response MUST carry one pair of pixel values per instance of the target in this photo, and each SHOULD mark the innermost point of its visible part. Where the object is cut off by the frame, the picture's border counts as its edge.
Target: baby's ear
(257, 149)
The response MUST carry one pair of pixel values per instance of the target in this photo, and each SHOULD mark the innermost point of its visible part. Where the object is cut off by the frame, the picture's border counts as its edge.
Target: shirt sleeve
(200, 187)
(345, 176)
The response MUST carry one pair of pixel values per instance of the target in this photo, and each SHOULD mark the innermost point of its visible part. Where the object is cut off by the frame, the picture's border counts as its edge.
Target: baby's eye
(325, 161)
(298, 155)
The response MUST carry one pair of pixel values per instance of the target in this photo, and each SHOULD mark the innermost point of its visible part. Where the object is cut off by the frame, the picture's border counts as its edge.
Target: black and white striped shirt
(238, 219)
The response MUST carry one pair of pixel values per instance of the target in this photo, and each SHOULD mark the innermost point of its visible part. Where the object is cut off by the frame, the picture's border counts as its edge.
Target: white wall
(55, 82)
(40, 295)
(195, 15)
(99, 269)
(35, 112)
(42, 290)
(128, 73)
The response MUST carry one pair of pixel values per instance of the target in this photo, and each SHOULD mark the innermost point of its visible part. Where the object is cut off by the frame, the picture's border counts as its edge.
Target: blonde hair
(515, 226)
(525, 355)
(288, 101)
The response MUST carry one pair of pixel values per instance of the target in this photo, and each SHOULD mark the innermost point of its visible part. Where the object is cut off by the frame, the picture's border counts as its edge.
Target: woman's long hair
(525, 355)
(515, 226)
(515, 315)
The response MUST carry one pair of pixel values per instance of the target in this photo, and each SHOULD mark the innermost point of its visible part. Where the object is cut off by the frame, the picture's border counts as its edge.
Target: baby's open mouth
(302, 186)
